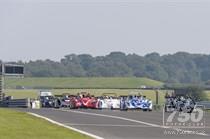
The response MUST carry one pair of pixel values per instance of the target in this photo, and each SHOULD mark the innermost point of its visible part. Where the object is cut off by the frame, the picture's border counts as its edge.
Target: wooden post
(157, 96)
(1, 81)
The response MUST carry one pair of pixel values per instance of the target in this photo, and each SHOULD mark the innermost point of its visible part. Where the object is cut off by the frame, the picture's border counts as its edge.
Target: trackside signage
(194, 121)
(10, 69)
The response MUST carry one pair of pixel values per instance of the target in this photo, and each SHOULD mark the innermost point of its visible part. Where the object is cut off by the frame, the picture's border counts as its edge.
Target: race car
(83, 102)
(109, 101)
(63, 100)
(170, 104)
(75, 102)
(180, 104)
(135, 102)
(46, 98)
(90, 102)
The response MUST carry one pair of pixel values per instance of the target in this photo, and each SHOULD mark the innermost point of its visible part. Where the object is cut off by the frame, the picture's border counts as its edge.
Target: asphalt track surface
(114, 124)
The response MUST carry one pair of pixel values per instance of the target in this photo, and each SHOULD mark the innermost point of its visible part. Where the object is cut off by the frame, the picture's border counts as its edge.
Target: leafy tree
(180, 67)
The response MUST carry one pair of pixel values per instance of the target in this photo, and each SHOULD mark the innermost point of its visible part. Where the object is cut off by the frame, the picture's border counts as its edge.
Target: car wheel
(57, 103)
(71, 105)
(100, 105)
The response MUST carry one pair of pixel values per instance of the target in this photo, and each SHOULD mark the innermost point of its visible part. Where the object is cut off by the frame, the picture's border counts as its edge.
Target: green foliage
(196, 92)
(180, 67)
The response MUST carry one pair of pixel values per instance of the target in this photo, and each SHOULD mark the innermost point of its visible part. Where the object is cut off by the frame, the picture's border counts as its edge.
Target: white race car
(109, 101)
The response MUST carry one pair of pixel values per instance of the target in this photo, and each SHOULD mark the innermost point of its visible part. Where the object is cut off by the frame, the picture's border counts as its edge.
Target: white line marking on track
(135, 121)
(68, 127)
(105, 125)
(119, 125)
(115, 117)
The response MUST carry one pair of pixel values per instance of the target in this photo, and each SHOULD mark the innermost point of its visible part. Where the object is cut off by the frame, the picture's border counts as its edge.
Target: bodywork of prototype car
(135, 102)
(179, 104)
(83, 102)
(89, 102)
(46, 99)
(63, 100)
(109, 101)
(75, 102)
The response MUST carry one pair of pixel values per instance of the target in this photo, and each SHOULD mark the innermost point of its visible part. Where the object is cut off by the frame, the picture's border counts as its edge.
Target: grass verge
(83, 82)
(20, 125)
(97, 92)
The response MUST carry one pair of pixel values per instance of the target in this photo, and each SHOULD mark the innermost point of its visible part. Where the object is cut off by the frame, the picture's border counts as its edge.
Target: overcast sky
(35, 29)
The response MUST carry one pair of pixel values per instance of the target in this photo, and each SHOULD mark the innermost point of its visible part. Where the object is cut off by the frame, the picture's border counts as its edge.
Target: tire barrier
(21, 103)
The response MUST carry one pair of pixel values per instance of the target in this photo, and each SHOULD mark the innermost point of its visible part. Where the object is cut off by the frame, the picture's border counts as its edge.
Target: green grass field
(102, 85)
(97, 86)
(100, 82)
(33, 93)
(208, 94)
(97, 92)
(20, 125)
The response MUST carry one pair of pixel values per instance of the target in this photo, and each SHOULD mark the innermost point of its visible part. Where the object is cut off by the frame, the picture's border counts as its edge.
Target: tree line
(180, 67)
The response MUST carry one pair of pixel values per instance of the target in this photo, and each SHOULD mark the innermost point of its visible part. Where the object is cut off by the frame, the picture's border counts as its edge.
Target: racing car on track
(109, 101)
(83, 101)
(90, 102)
(62, 100)
(135, 102)
(46, 99)
(75, 102)
(180, 104)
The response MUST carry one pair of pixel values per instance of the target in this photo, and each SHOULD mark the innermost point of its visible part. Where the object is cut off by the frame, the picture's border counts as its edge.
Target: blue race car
(135, 102)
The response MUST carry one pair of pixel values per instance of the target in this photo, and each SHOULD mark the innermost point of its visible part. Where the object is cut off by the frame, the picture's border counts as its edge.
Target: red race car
(90, 102)
(83, 102)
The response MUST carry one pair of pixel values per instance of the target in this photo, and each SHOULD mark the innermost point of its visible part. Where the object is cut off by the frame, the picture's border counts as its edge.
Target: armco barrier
(23, 103)
(206, 104)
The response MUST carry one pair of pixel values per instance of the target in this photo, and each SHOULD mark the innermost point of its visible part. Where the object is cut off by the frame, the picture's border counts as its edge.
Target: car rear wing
(63, 95)
(45, 93)
(110, 94)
